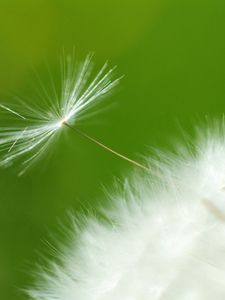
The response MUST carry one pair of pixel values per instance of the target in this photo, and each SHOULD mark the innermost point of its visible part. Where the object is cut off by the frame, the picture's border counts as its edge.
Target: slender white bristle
(162, 239)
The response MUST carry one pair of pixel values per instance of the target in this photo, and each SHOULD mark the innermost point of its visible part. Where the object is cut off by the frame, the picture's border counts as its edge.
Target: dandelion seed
(80, 91)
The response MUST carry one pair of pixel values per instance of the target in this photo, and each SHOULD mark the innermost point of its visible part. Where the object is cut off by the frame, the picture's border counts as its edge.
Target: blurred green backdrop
(172, 53)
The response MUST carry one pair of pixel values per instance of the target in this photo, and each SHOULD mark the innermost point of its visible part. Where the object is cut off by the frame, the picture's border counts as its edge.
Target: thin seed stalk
(103, 146)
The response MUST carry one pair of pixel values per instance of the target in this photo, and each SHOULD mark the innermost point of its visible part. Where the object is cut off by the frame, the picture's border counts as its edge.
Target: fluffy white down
(163, 239)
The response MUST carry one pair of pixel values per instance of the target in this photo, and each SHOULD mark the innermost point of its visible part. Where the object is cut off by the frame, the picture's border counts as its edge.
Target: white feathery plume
(162, 239)
(40, 124)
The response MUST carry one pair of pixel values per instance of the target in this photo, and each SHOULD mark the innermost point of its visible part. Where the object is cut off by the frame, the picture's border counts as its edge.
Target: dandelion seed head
(38, 123)
(158, 240)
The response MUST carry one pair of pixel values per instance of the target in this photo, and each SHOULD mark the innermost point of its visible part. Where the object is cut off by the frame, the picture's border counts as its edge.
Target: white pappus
(162, 239)
(80, 90)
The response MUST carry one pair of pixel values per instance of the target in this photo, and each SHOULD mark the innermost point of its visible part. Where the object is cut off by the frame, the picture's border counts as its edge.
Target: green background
(172, 53)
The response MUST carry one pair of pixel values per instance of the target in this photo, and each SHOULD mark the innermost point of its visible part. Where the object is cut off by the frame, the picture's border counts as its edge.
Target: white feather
(163, 239)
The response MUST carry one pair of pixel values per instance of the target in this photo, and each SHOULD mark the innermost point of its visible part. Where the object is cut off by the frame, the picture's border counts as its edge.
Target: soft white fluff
(162, 239)
(38, 124)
